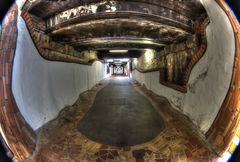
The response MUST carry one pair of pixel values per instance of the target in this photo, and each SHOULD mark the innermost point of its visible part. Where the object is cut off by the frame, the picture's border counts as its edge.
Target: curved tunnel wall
(42, 88)
(18, 136)
(210, 78)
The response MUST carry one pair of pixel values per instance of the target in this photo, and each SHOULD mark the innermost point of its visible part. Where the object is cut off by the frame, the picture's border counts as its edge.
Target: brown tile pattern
(227, 121)
(201, 28)
(20, 137)
(60, 141)
(51, 50)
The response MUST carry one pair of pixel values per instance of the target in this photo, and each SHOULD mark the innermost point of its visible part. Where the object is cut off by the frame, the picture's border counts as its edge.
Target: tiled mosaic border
(227, 121)
(38, 44)
(19, 136)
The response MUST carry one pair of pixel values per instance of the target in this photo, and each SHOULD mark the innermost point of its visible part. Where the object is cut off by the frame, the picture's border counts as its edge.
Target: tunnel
(119, 81)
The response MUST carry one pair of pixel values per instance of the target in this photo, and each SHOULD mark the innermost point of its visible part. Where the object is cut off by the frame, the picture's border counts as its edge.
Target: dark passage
(120, 116)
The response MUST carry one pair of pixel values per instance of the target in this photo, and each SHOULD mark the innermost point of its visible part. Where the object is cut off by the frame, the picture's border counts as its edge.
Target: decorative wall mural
(175, 61)
(171, 60)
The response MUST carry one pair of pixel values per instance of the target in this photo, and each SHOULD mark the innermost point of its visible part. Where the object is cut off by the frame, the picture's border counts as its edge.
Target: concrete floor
(61, 141)
(121, 116)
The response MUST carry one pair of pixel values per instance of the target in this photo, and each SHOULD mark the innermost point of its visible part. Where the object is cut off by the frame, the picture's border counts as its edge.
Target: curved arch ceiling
(116, 24)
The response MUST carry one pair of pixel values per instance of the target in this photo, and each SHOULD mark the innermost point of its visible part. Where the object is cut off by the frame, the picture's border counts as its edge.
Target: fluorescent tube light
(118, 51)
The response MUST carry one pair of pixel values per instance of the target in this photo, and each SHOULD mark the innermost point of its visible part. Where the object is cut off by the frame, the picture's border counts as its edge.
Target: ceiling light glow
(118, 51)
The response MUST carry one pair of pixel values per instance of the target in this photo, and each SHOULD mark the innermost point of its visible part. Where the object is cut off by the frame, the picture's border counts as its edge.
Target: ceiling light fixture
(118, 51)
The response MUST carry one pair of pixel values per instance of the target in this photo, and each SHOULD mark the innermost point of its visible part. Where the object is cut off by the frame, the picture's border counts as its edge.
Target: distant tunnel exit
(119, 67)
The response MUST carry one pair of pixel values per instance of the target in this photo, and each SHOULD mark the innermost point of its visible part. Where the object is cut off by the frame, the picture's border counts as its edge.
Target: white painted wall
(20, 3)
(210, 78)
(151, 81)
(203, 104)
(42, 88)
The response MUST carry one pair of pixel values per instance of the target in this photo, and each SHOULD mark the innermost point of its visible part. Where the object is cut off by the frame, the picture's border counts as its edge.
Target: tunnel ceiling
(119, 24)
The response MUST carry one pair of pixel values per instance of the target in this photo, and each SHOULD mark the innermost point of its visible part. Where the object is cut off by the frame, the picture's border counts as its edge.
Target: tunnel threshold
(120, 116)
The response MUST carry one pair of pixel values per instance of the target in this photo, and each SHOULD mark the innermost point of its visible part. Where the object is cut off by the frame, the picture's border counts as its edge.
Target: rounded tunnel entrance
(119, 81)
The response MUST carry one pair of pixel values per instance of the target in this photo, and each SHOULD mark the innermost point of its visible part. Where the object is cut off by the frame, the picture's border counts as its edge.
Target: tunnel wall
(211, 76)
(151, 81)
(42, 88)
(226, 124)
(19, 137)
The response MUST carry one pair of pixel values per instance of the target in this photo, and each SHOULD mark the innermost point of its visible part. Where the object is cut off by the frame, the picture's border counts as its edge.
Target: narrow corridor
(95, 128)
(64, 97)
